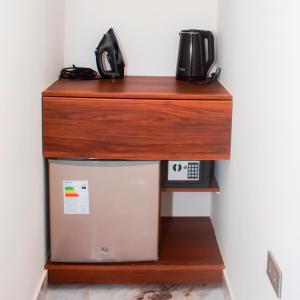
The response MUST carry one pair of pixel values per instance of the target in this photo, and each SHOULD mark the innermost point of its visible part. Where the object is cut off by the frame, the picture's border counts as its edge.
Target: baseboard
(228, 285)
(41, 288)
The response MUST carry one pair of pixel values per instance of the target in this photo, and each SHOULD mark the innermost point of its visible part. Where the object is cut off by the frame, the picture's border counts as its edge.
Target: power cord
(214, 76)
(78, 73)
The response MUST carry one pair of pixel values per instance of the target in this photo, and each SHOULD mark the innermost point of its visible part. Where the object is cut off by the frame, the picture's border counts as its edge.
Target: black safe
(187, 173)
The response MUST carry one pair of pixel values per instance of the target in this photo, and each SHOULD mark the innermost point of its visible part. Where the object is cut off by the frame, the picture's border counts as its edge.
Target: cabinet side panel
(136, 129)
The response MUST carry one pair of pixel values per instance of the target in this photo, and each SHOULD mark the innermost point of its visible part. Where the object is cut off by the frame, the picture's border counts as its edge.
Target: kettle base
(202, 78)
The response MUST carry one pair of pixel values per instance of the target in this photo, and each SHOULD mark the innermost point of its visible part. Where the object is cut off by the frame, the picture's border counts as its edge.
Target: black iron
(109, 49)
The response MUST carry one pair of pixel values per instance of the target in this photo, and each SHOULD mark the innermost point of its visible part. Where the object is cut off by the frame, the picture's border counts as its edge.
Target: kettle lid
(192, 31)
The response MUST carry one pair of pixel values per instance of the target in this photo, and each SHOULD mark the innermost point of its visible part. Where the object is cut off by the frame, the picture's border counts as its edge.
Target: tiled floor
(146, 292)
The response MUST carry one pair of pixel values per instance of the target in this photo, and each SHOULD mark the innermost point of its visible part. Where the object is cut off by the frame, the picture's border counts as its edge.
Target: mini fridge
(104, 211)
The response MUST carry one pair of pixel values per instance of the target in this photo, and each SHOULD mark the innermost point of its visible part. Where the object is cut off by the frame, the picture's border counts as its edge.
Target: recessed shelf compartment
(189, 254)
(214, 187)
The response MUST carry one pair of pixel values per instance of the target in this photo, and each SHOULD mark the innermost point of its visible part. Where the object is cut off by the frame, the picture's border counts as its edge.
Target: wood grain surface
(189, 254)
(138, 87)
(137, 129)
(214, 187)
(143, 118)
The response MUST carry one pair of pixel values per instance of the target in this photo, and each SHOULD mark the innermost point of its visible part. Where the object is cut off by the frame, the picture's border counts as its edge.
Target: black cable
(78, 73)
(214, 76)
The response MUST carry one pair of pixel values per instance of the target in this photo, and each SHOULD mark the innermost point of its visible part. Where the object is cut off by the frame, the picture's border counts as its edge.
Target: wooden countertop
(138, 87)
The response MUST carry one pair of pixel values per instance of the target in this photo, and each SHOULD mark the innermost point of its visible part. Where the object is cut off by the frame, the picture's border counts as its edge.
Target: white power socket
(274, 274)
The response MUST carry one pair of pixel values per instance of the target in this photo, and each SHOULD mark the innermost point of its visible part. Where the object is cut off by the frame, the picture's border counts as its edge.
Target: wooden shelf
(189, 254)
(214, 187)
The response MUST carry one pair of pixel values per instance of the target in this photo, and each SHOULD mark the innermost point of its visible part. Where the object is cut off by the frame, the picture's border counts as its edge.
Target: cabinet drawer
(136, 129)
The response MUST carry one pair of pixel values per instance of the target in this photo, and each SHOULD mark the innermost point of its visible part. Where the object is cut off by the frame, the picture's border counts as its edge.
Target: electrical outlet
(274, 274)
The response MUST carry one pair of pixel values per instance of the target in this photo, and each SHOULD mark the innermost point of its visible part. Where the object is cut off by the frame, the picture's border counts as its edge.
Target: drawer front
(136, 129)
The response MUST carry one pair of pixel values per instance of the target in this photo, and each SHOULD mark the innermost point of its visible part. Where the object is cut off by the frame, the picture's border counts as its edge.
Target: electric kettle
(195, 55)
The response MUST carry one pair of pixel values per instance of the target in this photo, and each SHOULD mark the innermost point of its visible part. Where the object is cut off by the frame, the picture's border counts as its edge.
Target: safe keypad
(193, 170)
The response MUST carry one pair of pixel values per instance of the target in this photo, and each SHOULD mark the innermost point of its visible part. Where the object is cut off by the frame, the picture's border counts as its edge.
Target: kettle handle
(211, 49)
(111, 60)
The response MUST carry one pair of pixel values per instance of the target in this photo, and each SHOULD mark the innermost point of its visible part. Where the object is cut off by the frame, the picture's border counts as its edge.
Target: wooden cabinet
(143, 118)
(138, 118)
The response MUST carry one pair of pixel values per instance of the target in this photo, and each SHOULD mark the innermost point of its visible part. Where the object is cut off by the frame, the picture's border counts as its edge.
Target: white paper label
(76, 197)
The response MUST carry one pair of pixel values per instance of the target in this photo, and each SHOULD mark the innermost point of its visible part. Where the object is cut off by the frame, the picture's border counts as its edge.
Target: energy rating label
(76, 197)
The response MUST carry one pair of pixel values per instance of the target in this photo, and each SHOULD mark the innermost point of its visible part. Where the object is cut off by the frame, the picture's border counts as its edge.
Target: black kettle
(109, 50)
(195, 56)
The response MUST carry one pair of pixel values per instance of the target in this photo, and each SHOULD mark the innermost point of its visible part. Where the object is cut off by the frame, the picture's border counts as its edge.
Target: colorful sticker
(76, 196)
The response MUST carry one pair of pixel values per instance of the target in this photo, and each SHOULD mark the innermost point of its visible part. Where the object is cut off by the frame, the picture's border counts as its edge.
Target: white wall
(185, 204)
(258, 208)
(31, 55)
(148, 32)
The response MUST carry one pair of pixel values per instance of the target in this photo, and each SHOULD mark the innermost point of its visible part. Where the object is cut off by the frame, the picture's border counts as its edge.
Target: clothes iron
(109, 58)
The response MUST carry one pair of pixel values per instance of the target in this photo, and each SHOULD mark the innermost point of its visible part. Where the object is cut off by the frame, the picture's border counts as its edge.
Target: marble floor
(133, 292)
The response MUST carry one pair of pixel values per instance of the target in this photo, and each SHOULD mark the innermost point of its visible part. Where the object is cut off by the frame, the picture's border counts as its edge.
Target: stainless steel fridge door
(102, 211)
